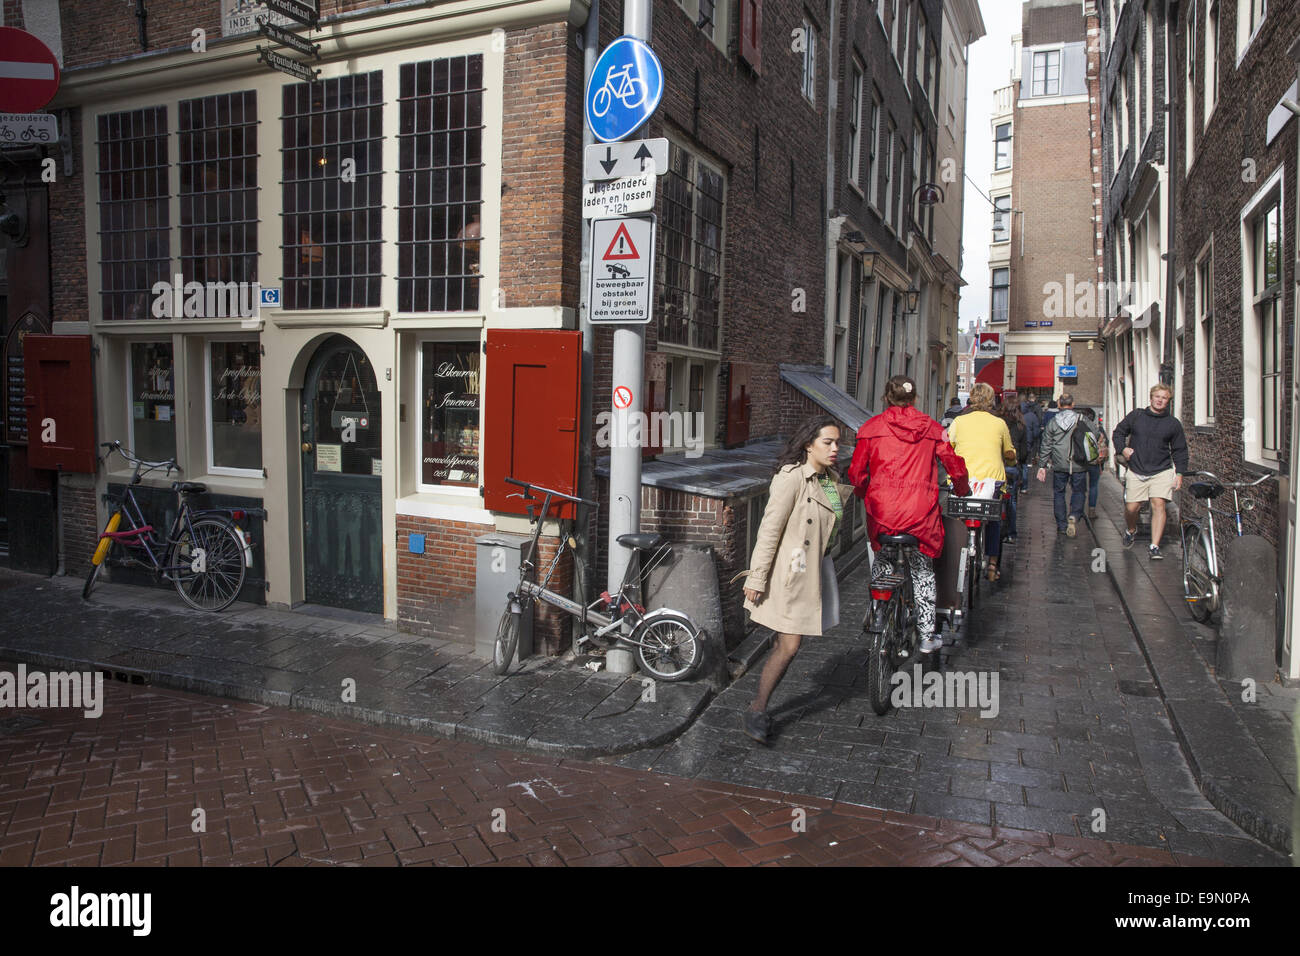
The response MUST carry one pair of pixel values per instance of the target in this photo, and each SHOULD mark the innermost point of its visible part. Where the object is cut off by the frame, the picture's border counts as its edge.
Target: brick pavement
(1081, 727)
(283, 788)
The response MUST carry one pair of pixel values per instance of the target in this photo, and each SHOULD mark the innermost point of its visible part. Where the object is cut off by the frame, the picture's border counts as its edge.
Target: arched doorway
(342, 501)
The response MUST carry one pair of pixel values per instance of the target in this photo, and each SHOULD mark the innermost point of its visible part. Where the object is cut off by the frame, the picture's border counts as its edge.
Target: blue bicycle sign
(626, 86)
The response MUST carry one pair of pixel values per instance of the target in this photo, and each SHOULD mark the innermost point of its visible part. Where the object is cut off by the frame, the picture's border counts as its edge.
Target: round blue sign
(626, 86)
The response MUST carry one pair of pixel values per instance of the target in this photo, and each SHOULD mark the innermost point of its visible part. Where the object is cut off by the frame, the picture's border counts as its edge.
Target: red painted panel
(1036, 371)
(751, 33)
(60, 398)
(530, 428)
(738, 404)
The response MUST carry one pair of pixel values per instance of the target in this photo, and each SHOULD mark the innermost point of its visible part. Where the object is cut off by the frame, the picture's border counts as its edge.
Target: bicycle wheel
(668, 647)
(212, 582)
(883, 641)
(628, 101)
(1199, 589)
(603, 95)
(101, 554)
(503, 649)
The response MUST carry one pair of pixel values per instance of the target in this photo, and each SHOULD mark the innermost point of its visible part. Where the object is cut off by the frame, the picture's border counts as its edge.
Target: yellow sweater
(981, 439)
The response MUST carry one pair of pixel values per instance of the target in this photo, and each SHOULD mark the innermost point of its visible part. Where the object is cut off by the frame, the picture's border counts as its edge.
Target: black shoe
(756, 724)
(1154, 553)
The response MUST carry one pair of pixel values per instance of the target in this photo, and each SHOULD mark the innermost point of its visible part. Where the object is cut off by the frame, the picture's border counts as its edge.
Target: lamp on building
(913, 301)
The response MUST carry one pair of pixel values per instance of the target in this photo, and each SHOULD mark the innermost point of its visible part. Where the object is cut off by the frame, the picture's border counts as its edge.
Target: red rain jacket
(897, 451)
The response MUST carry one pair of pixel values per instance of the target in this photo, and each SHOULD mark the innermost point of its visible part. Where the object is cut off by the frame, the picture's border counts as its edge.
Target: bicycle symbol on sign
(631, 91)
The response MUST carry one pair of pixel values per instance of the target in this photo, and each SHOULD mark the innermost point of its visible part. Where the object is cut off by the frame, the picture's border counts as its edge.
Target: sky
(989, 69)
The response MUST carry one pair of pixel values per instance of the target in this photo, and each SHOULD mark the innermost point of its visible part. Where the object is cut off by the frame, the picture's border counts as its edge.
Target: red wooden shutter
(738, 404)
(531, 407)
(60, 400)
(751, 33)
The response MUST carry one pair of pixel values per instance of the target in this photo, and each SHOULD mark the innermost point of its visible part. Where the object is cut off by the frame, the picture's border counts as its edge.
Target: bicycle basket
(981, 509)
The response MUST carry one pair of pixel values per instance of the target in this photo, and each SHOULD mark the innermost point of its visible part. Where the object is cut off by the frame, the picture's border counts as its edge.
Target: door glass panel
(347, 421)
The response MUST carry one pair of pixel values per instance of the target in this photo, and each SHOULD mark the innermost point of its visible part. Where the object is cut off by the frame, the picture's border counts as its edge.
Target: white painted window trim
(1034, 53)
(1251, 345)
(1243, 6)
(415, 400)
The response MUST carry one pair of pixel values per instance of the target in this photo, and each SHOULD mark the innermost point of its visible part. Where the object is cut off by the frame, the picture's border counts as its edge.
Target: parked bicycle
(1201, 577)
(669, 645)
(205, 554)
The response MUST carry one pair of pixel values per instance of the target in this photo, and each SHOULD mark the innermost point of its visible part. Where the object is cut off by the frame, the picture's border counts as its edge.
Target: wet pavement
(1081, 739)
(302, 660)
(285, 788)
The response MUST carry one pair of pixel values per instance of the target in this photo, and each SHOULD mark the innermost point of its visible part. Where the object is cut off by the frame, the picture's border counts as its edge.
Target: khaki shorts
(1143, 488)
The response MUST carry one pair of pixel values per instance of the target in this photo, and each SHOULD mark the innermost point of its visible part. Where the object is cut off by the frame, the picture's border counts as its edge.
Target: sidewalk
(300, 661)
(1241, 754)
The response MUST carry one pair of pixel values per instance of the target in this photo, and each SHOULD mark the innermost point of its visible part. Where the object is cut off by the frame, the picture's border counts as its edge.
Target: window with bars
(440, 192)
(134, 224)
(333, 169)
(690, 252)
(218, 187)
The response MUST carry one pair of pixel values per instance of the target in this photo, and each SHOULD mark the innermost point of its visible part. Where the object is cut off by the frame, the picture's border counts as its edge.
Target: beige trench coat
(786, 564)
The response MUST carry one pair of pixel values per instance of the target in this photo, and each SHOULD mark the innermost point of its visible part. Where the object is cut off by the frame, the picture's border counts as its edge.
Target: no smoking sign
(622, 397)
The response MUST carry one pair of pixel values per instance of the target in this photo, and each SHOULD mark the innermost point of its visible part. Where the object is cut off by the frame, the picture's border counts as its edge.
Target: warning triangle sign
(626, 248)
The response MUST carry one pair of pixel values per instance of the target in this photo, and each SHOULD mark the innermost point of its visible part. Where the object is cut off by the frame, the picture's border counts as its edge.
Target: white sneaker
(931, 644)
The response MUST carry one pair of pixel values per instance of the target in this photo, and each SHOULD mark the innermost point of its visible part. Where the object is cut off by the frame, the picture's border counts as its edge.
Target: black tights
(778, 659)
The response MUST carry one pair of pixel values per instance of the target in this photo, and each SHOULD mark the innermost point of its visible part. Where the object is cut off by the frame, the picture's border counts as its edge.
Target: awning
(812, 382)
(992, 373)
(1035, 371)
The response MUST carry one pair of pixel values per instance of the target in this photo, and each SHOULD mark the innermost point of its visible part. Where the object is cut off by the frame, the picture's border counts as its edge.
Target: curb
(1270, 825)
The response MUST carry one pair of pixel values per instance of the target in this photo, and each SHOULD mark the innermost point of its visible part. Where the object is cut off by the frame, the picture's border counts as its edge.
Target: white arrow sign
(618, 197)
(613, 160)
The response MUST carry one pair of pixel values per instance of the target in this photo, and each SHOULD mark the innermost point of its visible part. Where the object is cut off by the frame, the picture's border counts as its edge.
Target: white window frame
(1203, 306)
(1210, 72)
(918, 50)
(855, 125)
(889, 175)
(1006, 223)
(1245, 33)
(1059, 51)
(1148, 60)
(873, 180)
(1189, 96)
(212, 467)
(1011, 134)
(993, 289)
(808, 77)
(721, 20)
(1273, 190)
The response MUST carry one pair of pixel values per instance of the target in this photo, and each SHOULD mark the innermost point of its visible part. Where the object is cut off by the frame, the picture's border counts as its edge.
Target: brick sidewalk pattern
(280, 788)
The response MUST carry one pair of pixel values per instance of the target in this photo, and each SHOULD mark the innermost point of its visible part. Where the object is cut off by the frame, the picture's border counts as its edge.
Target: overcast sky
(988, 70)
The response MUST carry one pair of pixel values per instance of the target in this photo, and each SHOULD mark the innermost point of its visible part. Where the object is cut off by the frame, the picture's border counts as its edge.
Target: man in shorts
(1151, 442)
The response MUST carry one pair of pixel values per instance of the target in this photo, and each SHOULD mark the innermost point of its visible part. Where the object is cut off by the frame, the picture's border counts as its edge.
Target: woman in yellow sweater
(984, 443)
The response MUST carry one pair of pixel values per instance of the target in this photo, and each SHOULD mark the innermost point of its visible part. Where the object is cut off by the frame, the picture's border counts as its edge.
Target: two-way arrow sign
(616, 160)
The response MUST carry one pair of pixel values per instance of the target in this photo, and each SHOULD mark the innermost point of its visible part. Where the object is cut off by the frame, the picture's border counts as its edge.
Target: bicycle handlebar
(116, 445)
(1232, 484)
(530, 488)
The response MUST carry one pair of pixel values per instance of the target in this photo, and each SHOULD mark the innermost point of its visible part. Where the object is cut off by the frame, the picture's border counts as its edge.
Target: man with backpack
(1033, 432)
(1151, 442)
(1069, 446)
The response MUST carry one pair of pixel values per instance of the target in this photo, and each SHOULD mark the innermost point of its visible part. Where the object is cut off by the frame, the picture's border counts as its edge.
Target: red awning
(1035, 371)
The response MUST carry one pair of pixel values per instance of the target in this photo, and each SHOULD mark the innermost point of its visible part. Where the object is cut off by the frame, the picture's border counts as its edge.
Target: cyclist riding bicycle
(984, 443)
(895, 471)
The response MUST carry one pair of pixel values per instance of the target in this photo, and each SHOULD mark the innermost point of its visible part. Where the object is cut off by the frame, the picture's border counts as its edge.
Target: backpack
(1084, 447)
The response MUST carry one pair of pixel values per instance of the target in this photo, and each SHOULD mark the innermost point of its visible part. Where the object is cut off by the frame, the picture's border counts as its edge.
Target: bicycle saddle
(906, 540)
(189, 487)
(646, 541)
(1206, 489)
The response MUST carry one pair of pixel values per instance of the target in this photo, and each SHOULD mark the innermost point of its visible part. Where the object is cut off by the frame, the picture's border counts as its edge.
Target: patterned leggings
(923, 586)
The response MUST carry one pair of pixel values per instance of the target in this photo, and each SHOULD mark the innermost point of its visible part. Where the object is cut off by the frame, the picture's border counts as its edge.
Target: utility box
(496, 575)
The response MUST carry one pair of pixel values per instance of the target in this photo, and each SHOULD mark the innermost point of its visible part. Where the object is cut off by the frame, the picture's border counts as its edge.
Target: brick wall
(80, 524)
(1210, 203)
(68, 232)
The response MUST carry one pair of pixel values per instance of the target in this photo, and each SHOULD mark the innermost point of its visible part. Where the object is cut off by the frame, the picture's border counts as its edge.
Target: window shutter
(751, 33)
(60, 390)
(738, 404)
(531, 412)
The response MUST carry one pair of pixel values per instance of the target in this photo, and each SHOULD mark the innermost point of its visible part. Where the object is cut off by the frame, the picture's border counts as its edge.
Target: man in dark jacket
(1151, 442)
(1033, 432)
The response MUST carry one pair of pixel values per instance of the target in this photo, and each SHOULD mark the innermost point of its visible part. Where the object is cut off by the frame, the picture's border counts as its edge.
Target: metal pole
(586, 478)
(1171, 177)
(629, 372)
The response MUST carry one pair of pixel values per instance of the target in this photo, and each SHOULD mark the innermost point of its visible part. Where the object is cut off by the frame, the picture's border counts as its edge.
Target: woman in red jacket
(895, 471)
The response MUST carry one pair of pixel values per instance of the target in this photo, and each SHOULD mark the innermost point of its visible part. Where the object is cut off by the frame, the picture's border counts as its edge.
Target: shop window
(333, 203)
(348, 405)
(235, 392)
(440, 185)
(134, 227)
(153, 401)
(450, 422)
(218, 188)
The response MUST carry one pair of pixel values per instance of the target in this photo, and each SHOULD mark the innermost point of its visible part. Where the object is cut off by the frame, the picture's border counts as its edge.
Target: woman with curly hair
(984, 443)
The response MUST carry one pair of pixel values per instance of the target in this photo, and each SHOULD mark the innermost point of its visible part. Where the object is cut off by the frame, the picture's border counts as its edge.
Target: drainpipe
(586, 463)
(831, 230)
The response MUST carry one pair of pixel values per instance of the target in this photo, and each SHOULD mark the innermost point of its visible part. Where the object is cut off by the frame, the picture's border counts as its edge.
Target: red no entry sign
(29, 72)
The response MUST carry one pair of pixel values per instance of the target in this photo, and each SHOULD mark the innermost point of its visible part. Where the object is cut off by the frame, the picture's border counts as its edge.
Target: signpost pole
(625, 456)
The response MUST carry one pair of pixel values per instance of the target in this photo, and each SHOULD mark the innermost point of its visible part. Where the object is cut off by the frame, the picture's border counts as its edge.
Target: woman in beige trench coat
(791, 580)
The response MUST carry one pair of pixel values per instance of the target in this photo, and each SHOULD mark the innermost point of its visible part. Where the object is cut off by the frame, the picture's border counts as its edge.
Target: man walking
(1060, 452)
(1033, 433)
(1151, 442)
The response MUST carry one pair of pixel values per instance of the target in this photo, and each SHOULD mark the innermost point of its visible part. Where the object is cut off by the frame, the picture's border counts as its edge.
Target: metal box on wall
(496, 574)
